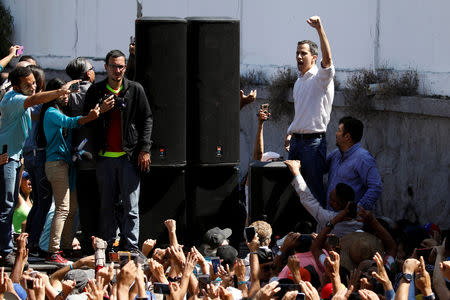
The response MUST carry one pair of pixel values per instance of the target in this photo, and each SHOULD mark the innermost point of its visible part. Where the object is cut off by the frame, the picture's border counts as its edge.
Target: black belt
(308, 136)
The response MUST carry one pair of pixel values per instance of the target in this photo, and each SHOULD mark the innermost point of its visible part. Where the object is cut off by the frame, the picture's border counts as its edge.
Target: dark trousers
(88, 207)
(41, 195)
(312, 154)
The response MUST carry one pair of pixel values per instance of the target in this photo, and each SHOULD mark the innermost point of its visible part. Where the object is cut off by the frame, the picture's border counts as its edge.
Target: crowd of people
(63, 161)
(82, 145)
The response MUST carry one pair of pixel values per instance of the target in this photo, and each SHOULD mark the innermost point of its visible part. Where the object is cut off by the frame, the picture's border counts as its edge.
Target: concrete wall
(400, 34)
(409, 138)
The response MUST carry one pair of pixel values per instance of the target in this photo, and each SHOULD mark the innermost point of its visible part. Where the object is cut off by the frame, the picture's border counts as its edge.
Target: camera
(74, 87)
(161, 288)
(119, 102)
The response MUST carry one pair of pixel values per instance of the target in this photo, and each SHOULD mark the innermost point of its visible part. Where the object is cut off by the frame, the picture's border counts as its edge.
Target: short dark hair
(26, 57)
(303, 243)
(114, 54)
(312, 46)
(77, 68)
(54, 84)
(344, 193)
(16, 74)
(353, 126)
(39, 76)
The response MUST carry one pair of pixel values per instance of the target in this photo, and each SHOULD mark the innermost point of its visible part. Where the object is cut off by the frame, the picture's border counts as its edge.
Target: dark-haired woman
(60, 171)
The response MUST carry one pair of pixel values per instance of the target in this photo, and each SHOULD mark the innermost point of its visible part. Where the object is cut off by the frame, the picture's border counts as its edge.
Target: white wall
(412, 33)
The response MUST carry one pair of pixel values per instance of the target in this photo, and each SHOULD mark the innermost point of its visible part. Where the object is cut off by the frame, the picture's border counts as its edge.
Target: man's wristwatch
(329, 225)
(430, 297)
(408, 277)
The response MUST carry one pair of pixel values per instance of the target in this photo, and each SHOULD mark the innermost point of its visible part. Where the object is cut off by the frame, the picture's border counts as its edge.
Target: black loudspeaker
(213, 91)
(161, 69)
(214, 201)
(162, 197)
(272, 198)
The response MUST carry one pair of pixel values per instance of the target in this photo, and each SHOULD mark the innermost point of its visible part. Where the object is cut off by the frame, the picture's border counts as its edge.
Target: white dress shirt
(313, 98)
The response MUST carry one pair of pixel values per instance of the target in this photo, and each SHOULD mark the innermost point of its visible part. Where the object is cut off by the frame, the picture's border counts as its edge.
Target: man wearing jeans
(123, 147)
(313, 98)
(15, 126)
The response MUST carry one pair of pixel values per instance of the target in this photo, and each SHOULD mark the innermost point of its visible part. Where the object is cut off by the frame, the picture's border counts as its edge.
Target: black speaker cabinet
(161, 69)
(213, 91)
(214, 201)
(163, 196)
(272, 197)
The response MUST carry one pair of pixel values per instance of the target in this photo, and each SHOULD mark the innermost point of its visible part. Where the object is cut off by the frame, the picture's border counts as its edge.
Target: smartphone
(249, 233)
(29, 283)
(161, 288)
(124, 258)
(203, 280)
(265, 108)
(75, 87)
(425, 252)
(215, 263)
(5, 149)
(19, 51)
(352, 208)
(300, 296)
(286, 287)
(132, 40)
(134, 257)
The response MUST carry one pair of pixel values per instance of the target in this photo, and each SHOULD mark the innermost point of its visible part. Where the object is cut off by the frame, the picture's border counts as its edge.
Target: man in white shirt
(313, 98)
(339, 197)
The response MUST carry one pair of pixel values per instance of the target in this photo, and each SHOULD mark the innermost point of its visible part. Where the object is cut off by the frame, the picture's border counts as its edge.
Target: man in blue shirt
(15, 126)
(353, 165)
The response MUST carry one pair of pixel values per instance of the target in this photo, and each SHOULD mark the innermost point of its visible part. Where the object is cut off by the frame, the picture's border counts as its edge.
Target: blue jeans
(9, 192)
(42, 195)
(119, 186)
(312, 155)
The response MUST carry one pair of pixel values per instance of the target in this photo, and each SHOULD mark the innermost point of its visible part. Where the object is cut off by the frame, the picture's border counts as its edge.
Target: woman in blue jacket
(60, 170)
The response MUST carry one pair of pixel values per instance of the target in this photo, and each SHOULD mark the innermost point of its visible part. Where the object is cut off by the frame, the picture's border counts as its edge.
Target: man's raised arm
(316, 23)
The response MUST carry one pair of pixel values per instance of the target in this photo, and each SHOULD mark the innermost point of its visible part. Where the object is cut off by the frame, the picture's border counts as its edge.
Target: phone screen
(5, 148)
(215, 263)
(352, 208)
(75, 86)
(124, 258)
(249, 233)
(300, 296)
(425, 252)
(161, 288)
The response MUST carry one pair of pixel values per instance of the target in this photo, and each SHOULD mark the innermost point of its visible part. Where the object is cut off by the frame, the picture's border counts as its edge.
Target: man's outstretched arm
(316, 23)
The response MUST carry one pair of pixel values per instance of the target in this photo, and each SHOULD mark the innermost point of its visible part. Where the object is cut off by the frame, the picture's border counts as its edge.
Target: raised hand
(332, 264)
(381, 276)
(422, 279)
(294, 267)
(314, 22)
(147, 246)
(293, 166)
(268, 291)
